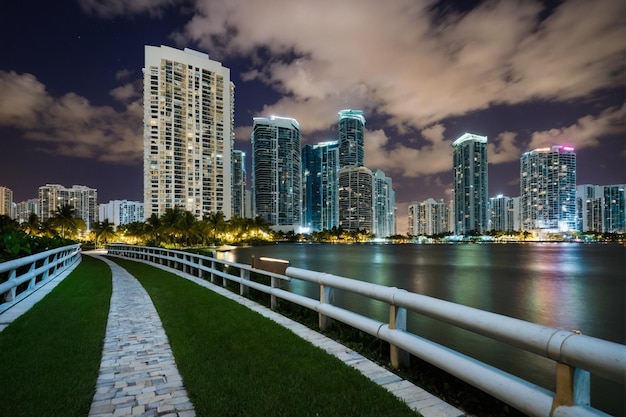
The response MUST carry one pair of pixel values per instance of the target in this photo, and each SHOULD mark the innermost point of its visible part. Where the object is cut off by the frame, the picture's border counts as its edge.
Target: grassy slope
(50, 356)
(235, 362)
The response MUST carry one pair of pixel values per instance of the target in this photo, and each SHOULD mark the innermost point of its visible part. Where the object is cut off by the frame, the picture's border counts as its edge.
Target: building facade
(589, 207)
(471, 200)
(83, 199)
(239, 183)
(384, 205)
(429, 218)
(548, 189)
(355, 199)
(614, 208)
(188, 132)
(121, 212)
(320, 166)
(350, 135)
(502, 213)
(6, 202)
(24, 209)
(276, 171)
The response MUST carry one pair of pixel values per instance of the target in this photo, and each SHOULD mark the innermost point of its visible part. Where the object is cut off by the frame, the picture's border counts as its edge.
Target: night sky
(526, 74)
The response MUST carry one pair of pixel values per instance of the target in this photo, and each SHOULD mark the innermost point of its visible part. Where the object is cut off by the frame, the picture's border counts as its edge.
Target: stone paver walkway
(138, 375)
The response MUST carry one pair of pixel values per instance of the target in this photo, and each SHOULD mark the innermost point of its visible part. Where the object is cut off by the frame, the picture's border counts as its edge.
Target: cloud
(586, 132)
(70, 124)
(503, 148)
(111, 8)
(410, 66)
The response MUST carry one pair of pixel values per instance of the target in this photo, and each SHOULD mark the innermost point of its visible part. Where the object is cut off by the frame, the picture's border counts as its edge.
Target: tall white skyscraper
(470, 184)
(188, 132)
(384, 205)
(276, 171)
(548, 189)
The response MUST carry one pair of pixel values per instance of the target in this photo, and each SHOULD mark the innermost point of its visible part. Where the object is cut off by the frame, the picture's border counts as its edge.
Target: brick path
(138, 375)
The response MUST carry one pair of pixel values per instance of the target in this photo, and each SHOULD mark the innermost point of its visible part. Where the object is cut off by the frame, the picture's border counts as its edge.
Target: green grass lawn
(234, 362)
(50, 356)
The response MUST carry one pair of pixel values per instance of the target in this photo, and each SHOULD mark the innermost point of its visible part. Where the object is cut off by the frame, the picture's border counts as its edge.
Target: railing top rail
(16, 263)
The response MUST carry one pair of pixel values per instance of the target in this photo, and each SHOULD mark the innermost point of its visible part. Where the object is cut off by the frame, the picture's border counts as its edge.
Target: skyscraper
(188, 132)
(470, 184)
(428, 218)
(614, 208)
(384, 205)
(502, 213)
(548, 189)
(355, 198)
(6, 201)
(239, 183)
(589, 203)
(276, 171)
(350, 137)
(121, 212)
(320, 164)
(81, 198)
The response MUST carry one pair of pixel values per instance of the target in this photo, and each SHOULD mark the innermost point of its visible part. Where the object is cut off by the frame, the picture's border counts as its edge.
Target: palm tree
(32, 226)
(153, 228)
(104, 231)
(186, 226)
(217, 224)
(64, 218)
(170, 223)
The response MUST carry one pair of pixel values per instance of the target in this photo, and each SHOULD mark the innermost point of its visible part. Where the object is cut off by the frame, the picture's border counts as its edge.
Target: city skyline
(524, 74)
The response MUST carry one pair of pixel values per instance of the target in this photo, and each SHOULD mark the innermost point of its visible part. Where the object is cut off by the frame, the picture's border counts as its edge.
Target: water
(566, 286)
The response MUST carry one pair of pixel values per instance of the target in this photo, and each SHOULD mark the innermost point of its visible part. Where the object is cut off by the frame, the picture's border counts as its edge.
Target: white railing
(27, 274)
(576, 355)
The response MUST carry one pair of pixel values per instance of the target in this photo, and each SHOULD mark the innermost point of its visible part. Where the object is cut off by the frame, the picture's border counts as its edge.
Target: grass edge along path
(50, 356)
(235, 362)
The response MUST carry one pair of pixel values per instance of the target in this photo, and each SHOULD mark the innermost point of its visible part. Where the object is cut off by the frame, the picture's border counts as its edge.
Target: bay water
(566, 286)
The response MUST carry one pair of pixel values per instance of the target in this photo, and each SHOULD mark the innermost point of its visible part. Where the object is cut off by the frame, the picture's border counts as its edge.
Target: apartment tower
(548, 189)
(188, 132)
(470, 184)
(276, 171)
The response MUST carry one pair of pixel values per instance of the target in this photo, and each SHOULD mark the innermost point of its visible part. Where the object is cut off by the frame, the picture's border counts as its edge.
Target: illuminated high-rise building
(276, 171)
(614, 208)
(6, 201)
(548, 189)
(589, 207)
(502, 213)
(428, 218)
(188, 132)
(239, 183)
(120, 212)
(384, 205)
(82, 199)
(350, 136)
(355, 199)
(471, 213)
(320, 164)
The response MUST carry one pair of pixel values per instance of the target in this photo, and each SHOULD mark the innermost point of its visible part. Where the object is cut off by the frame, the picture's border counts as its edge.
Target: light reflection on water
(567, 286)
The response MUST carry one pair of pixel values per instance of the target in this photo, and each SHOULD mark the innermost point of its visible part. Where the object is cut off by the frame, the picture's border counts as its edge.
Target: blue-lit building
(471, 201)
(614, 208)
(548, 189)
(320, 164)
(276, 171)
(355, 199)
(350, 135)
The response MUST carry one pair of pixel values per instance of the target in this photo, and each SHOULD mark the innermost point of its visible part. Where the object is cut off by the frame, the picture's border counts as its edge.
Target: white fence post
(397, 321)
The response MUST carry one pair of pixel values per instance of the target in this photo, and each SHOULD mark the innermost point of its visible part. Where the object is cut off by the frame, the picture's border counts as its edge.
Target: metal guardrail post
(276, 266)
(245, 276)
(573, 385)
(397, 321)
(327, 295)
